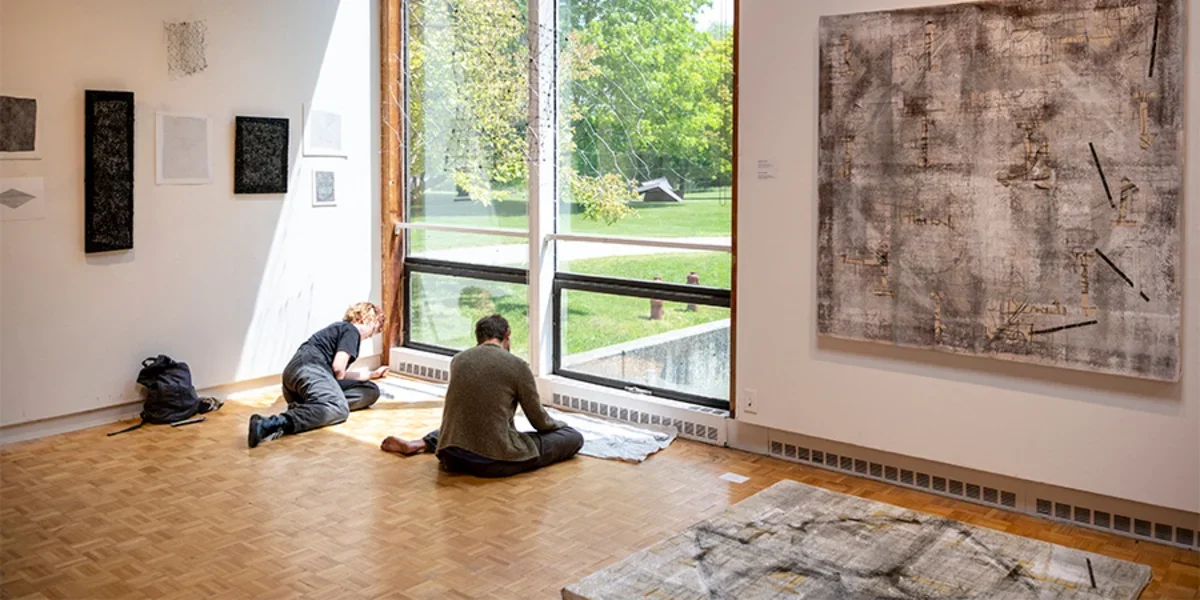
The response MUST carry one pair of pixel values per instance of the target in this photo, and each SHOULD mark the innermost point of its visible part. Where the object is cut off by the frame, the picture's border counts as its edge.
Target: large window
(637, 165)
(466, 112)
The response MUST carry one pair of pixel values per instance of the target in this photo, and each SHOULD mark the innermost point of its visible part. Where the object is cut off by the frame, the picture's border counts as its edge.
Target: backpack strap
(127, 429)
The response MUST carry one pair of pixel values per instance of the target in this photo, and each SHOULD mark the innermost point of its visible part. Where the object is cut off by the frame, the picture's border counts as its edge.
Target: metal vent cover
(424, 372)
(689, 429)
(1139, 528)
(892, 474)
(992, 496)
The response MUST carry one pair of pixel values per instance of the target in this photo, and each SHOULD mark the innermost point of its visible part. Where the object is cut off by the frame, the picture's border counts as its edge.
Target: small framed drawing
(19, 131)
(183, 149)
(322, 133)
(324, 188)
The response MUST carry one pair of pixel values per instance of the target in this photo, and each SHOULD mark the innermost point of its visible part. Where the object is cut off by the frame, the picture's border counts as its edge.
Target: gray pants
(317, 399)
(553, 446)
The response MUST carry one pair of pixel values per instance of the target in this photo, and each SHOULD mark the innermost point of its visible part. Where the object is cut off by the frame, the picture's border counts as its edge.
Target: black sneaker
(264, 429)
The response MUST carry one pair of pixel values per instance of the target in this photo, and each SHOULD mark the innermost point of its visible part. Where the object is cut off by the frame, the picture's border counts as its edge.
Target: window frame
(545, 283)
(628, 288)
(447, 268)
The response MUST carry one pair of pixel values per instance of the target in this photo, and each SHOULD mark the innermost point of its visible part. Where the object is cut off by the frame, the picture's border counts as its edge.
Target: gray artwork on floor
(108, 171)
(323, 134)
(1004, 180)
(324, 189)
(260, 156)
(793, 540)
(186, 48)
(18, 125)
(21, 199)
(183, 149)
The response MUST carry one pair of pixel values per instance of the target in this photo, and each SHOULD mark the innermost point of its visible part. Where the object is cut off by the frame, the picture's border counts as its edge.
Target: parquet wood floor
(192, 513)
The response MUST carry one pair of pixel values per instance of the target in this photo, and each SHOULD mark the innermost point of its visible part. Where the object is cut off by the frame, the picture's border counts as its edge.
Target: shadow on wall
(320, 260)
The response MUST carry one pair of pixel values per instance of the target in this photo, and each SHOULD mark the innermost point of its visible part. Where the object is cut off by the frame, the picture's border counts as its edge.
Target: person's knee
(338, 413)
(572, 439)
(370, 393)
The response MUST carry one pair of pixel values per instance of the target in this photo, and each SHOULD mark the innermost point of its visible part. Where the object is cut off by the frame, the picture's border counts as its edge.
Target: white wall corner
(744, 436)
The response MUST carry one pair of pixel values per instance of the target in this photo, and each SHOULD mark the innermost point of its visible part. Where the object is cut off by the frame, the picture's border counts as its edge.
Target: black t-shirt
(325, 344)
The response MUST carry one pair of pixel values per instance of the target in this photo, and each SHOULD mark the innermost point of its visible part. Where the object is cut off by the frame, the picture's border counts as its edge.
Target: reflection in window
(467, 112)
(443, 310)
(645, 117)
(643, 342)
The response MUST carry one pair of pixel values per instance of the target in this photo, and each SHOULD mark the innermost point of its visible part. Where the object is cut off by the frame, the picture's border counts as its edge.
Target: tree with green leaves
(658, 102)
(644, 93)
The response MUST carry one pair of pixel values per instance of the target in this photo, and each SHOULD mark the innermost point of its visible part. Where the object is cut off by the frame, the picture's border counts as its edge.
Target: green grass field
(704, 213)
(446, 308)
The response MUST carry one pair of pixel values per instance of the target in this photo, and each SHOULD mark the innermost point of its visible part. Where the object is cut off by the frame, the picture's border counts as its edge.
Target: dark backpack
(170, 397)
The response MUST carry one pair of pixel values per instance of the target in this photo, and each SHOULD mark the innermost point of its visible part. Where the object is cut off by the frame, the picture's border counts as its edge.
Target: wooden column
(391, 198)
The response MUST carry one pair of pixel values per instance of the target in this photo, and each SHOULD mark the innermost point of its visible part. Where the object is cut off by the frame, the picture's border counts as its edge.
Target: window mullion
(542, 197)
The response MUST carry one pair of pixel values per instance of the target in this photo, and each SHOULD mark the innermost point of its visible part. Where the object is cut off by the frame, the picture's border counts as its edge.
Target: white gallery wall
(1122, 437)
(229, 284)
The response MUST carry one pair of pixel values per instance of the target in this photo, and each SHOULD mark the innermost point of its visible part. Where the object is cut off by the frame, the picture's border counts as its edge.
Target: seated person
(477, 436)
(318, 388)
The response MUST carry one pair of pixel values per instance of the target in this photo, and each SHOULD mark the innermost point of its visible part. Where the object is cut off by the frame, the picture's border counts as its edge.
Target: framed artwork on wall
(1004, 180)
(108, 170)
(183, 149)
(260, 155)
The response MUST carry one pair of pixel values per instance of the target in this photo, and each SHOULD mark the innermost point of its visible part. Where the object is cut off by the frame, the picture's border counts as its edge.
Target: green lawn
(446, 308)
(714, 268)
(705, 213)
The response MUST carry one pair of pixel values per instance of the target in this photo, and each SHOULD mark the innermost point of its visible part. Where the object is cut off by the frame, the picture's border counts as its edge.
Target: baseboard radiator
(1082, 509)
(418, 369)
(698, 423)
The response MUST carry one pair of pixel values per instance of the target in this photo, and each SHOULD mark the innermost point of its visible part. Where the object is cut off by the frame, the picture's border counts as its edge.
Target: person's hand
(380, 373)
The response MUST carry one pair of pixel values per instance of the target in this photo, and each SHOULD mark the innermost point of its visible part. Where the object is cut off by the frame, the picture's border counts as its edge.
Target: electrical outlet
(750, 401)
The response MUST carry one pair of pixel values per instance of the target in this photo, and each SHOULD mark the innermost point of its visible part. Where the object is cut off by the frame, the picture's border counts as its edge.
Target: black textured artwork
(108, 171)
(18, 124)
(260, 156)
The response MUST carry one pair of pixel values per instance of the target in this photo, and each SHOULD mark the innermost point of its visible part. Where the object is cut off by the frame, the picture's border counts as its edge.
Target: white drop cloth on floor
(609, 439)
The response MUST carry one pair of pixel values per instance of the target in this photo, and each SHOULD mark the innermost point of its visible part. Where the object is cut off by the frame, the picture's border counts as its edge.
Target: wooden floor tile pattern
(192, 513)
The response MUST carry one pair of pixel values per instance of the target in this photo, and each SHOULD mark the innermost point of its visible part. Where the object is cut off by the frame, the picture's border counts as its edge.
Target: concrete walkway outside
(517, 254)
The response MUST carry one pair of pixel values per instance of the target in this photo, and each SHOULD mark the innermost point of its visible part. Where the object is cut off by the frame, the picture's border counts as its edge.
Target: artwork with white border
(184, 150)
(19, 131)
(324, 188)
(322, 133)
(22, 199)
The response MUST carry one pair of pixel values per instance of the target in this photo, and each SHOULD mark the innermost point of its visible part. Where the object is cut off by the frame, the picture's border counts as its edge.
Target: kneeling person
(477, 434)
(319, 389)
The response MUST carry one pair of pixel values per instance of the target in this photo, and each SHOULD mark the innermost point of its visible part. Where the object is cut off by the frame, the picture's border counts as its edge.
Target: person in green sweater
(477, 435)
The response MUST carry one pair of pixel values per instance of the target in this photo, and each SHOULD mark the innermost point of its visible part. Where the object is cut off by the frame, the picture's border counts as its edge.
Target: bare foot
(394, 444)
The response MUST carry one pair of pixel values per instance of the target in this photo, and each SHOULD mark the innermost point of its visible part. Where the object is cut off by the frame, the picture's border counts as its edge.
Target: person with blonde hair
(319, 389)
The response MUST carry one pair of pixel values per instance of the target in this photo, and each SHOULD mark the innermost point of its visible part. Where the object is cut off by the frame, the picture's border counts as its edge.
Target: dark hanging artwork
(260, 156)
(1004, 179)
(108, 171)
(18, 124)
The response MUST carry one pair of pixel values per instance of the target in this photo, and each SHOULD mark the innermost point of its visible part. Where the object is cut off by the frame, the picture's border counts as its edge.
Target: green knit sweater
(486, 384)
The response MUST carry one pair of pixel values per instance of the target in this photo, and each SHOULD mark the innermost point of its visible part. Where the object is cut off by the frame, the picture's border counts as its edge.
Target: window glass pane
(467, 112)
(644, 342)
(443, 310)
(495, 250)
(646, 263)
(645, 117)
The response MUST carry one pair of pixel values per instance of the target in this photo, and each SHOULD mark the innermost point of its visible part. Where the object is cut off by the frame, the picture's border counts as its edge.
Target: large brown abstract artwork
(1004, 179)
